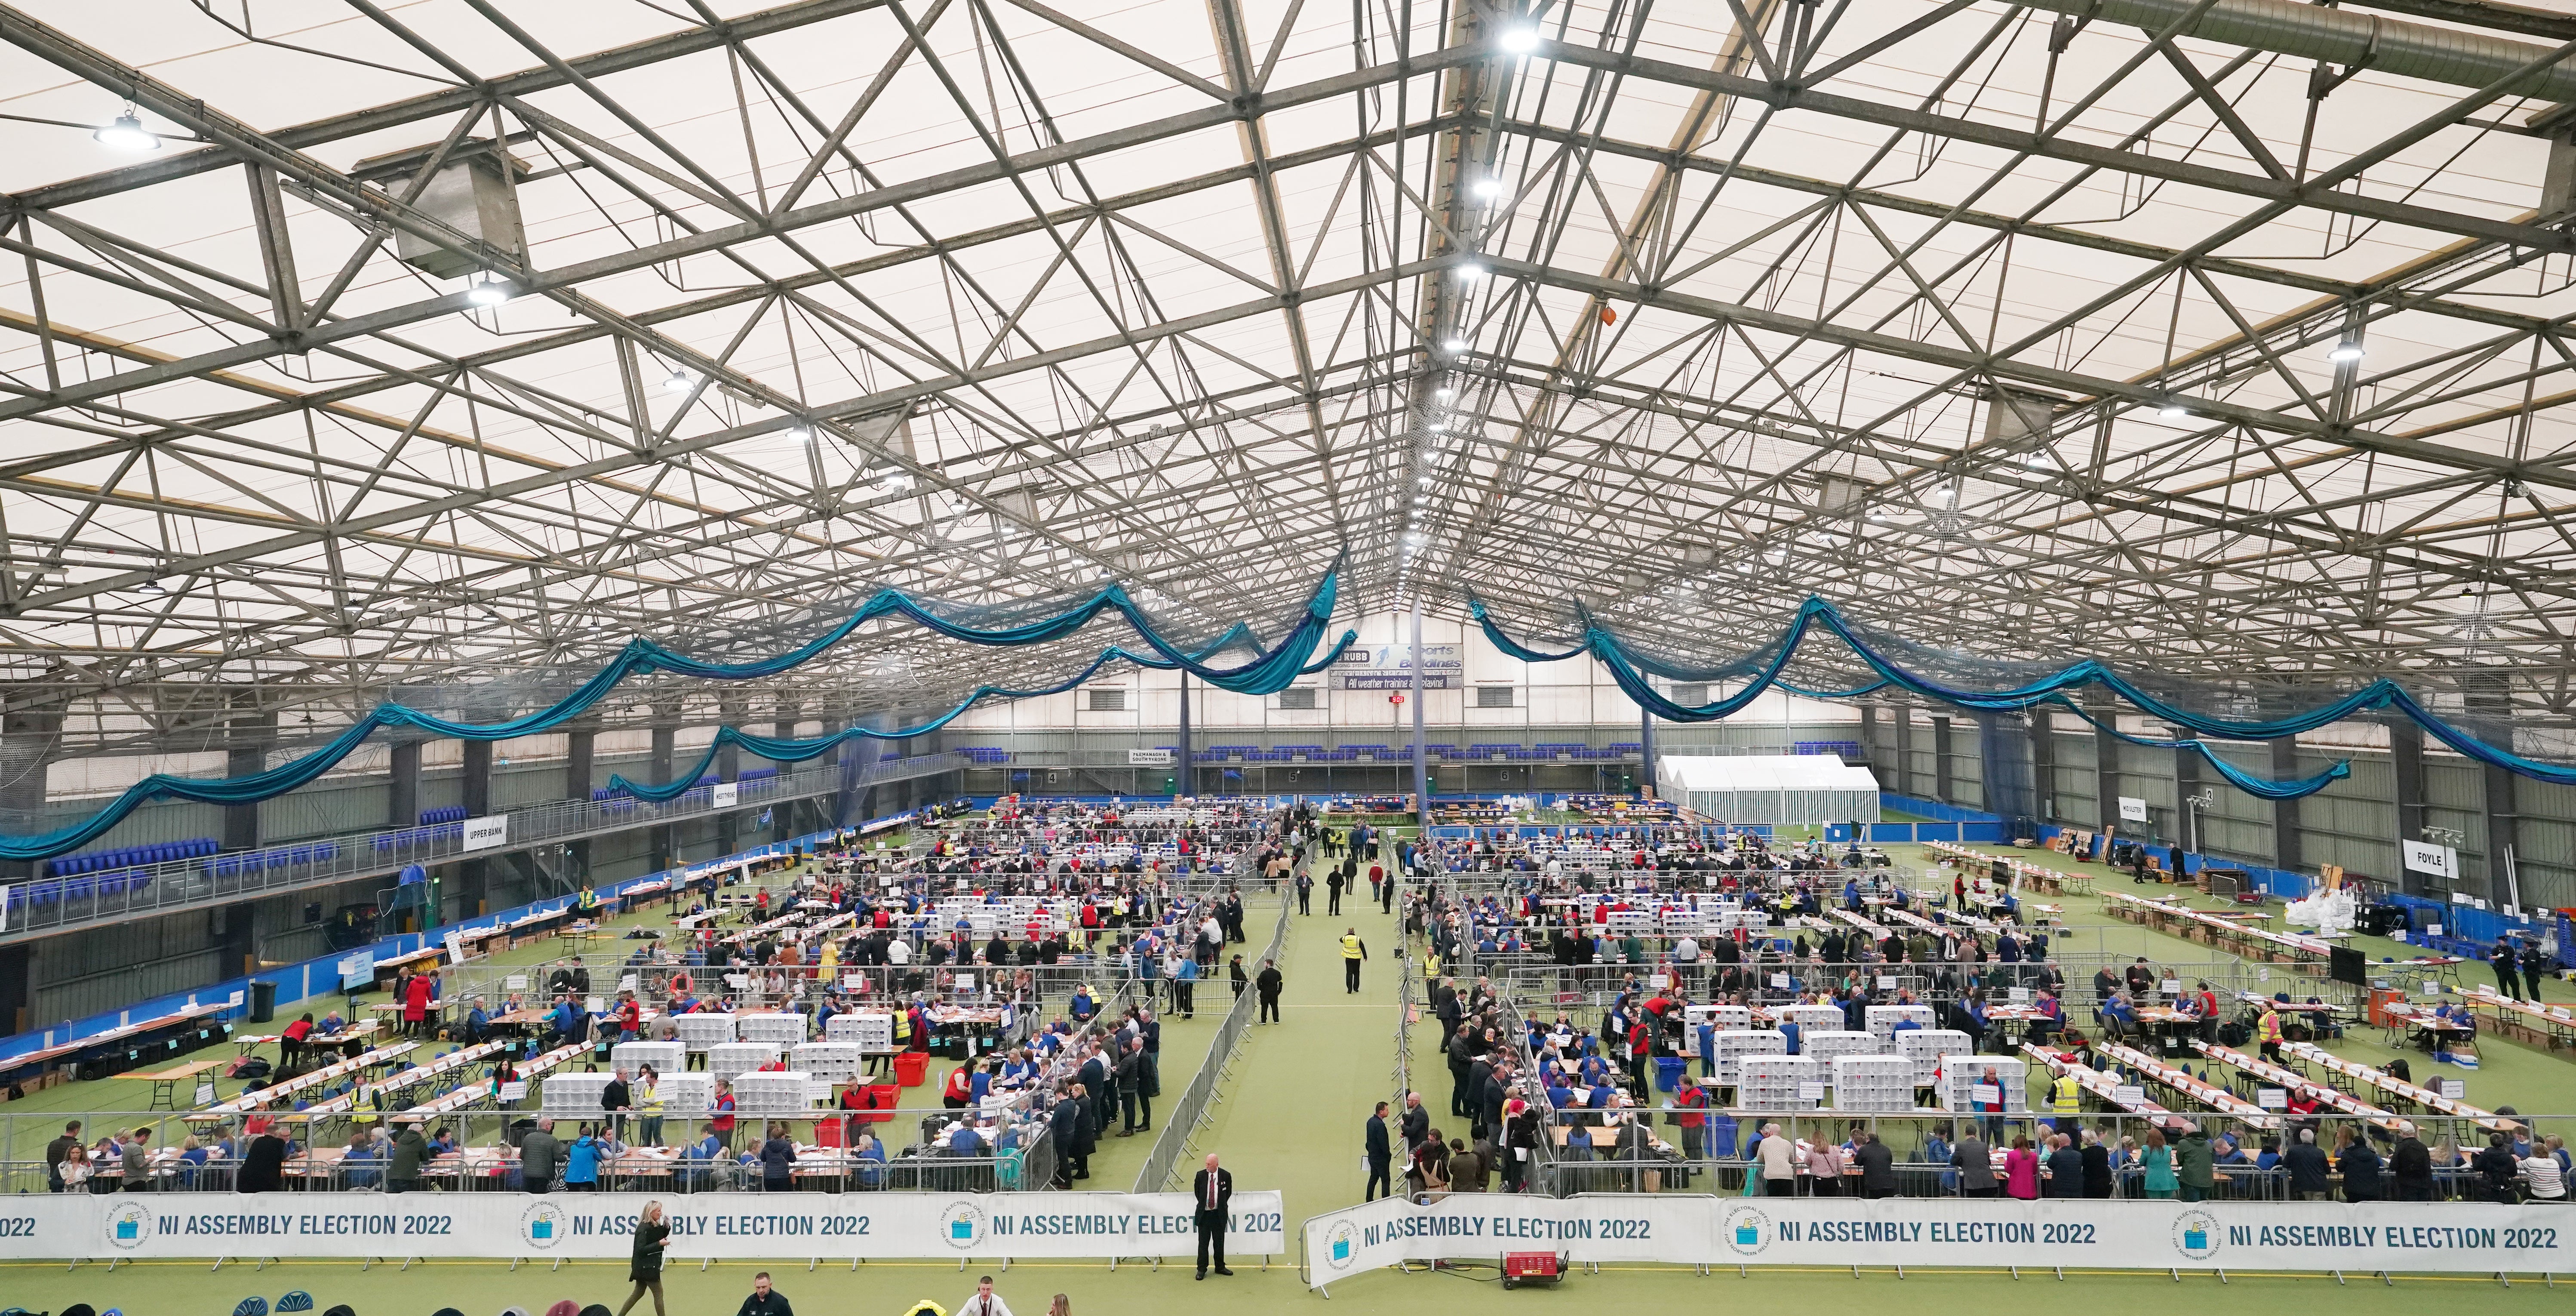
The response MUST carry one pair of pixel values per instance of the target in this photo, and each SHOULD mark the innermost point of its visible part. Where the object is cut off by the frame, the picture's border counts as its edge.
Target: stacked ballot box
(1826, 1047)
(1809, 1018)
(1775, 1082)
(631, 1057)
(1966, 1085)
(700, 1031)
(778, 1092)
(776, 1029)
(873, 1033)
(1881, 1083)
(573, 1094)
(1734, 1044)
(1883, 1019)
(837, 1061)
(734, 1059)
(684, 1094)
(1926, 1046)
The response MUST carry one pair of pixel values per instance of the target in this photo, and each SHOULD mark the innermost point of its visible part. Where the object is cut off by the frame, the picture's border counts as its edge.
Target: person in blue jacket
(581, 1163)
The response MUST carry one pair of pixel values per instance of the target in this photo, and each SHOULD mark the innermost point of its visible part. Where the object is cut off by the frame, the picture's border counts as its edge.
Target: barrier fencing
(1181, 1126)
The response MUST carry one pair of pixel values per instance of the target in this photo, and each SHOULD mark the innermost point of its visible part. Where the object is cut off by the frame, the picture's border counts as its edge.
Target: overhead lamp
(1439, 424)
(1471, 271)
(2347, 350)
(803, 433)
(1425, 482)
(1518, 39)
(1487, 188)
(126, 134)
(2173, 411)
(1453, 345)
(490, 290)
(1443, 393)
(1414, 537)
(1775, 556)
(150, 587)
(679, 382)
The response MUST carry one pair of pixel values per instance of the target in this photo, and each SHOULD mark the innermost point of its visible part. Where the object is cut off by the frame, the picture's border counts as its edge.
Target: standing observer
(1268, 984)
(1381, 1157)
(1353, 951)
(1212, 1190)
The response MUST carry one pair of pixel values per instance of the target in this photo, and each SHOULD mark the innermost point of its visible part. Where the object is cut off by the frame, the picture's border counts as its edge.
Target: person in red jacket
(960, 1089)
(416, 1005)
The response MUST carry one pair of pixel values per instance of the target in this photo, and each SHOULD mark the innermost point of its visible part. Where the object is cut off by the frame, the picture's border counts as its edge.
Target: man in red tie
(1213, 1191)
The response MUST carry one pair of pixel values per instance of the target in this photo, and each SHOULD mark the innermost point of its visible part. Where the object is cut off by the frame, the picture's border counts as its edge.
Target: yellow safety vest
(653, 1100)
(902, 1024)
(1350, 947)
(2063, 1095)
(2271, 1026)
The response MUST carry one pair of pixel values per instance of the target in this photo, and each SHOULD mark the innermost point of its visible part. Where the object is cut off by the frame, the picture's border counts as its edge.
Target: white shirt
(2540, 1170)
(898, 951)
(976, 1304)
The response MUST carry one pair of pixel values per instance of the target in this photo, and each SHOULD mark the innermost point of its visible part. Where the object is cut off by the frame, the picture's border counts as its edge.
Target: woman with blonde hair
(1062, 1306)
(651, 1232)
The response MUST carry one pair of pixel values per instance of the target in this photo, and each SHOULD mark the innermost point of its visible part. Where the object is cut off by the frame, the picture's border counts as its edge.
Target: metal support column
(2406, 755)
(1182, 775)
(402, 795)
(248, 736)
(2287, 854)
(1421, 753)
(473, 876)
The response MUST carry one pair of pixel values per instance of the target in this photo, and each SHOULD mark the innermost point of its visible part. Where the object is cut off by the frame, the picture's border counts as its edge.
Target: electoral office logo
(2195, 1235)
(962, 1224)
(1747, 1231)
(543, 1225)
(1342, 1245)
(129, 1225)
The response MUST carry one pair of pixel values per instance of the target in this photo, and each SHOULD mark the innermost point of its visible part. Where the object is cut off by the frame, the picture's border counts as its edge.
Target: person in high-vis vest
(2269, 1029)
(649, 1100)
(2065, 1101)
(1353, 951)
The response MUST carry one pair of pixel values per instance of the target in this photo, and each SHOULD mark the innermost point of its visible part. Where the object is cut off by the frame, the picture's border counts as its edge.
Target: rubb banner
(1764, 1231)
(602, 1225)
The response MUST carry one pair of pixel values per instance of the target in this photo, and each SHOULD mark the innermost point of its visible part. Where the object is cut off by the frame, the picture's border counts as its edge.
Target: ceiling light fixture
(2174, 411)
(1454, 345)
(1471, 271)
(1443, 393)
(2347, 350)
(1518, 39)
(1487, 188)
(126, 134)
(679, 382)
(490, 290)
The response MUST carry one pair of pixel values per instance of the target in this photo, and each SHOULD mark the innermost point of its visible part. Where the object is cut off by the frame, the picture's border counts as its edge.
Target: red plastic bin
(911, 1068)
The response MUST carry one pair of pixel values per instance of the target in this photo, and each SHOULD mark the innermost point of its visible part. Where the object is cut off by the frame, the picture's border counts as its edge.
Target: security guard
(1353, 951)
(2269, 1029)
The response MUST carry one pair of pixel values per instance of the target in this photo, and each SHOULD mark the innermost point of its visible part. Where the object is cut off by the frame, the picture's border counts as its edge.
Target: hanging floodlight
(1471, 271)
(679, 382)
(2174, 411)
(1454, 345)
(126, 134)
(1444, 393)
(1518, 39)
(490, 290)
(2347, 350)
(1487, 188)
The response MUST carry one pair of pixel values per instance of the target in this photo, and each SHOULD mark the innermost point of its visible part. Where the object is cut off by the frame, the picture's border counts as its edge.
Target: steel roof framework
(2022, 318)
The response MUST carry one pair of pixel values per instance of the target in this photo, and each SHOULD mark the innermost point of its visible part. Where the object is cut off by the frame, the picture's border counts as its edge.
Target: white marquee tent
(1769, 788)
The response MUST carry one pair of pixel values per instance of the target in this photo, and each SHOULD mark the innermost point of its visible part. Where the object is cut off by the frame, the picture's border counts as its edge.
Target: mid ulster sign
(584, 1225)
(1767, 1231)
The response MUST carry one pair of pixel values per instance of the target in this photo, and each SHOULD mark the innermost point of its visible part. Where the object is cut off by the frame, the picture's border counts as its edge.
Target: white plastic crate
(1736, 1043)
(1825, 1047)
(874, 1033)
(632, 1057)
(1809, 1018)
(734, 1059)
(1883, 1018)
(1962, 1074)
(1774, 1082)
(700, 1031)
(779, 1092)
(1873, 1083)
(837, 1061)
(688, 1095)
(572, 1094)
(776, 1029)
(1926, 1046)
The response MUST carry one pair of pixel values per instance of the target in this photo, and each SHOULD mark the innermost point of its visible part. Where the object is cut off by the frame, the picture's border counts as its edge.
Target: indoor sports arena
(968, 657)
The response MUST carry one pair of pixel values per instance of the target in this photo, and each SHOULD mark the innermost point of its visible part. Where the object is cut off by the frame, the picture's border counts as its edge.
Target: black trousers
(1378, 1181)
(2505, 983)
(1334, 906)
(1270, 1009)
(1350, 975)
(1305, 899)
(1211, 1235)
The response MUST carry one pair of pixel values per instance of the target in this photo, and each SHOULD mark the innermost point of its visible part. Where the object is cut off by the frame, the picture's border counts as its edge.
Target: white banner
(601, 1225)
(1149, 758)
(486, 832)
(2426, 857)
(1768, 1231)
(724, 794)
(2132, 809)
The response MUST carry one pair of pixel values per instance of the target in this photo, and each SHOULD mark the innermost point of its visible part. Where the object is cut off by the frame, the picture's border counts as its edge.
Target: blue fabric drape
(1629, 672)
(1267, 672)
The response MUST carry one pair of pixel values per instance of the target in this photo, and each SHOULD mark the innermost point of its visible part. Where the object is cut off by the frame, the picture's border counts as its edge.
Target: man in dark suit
(1381, 1157)
(1212, 1193)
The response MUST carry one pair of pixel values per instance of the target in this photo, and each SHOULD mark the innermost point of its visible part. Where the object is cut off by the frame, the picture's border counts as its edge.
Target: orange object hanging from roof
(1609, 315)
